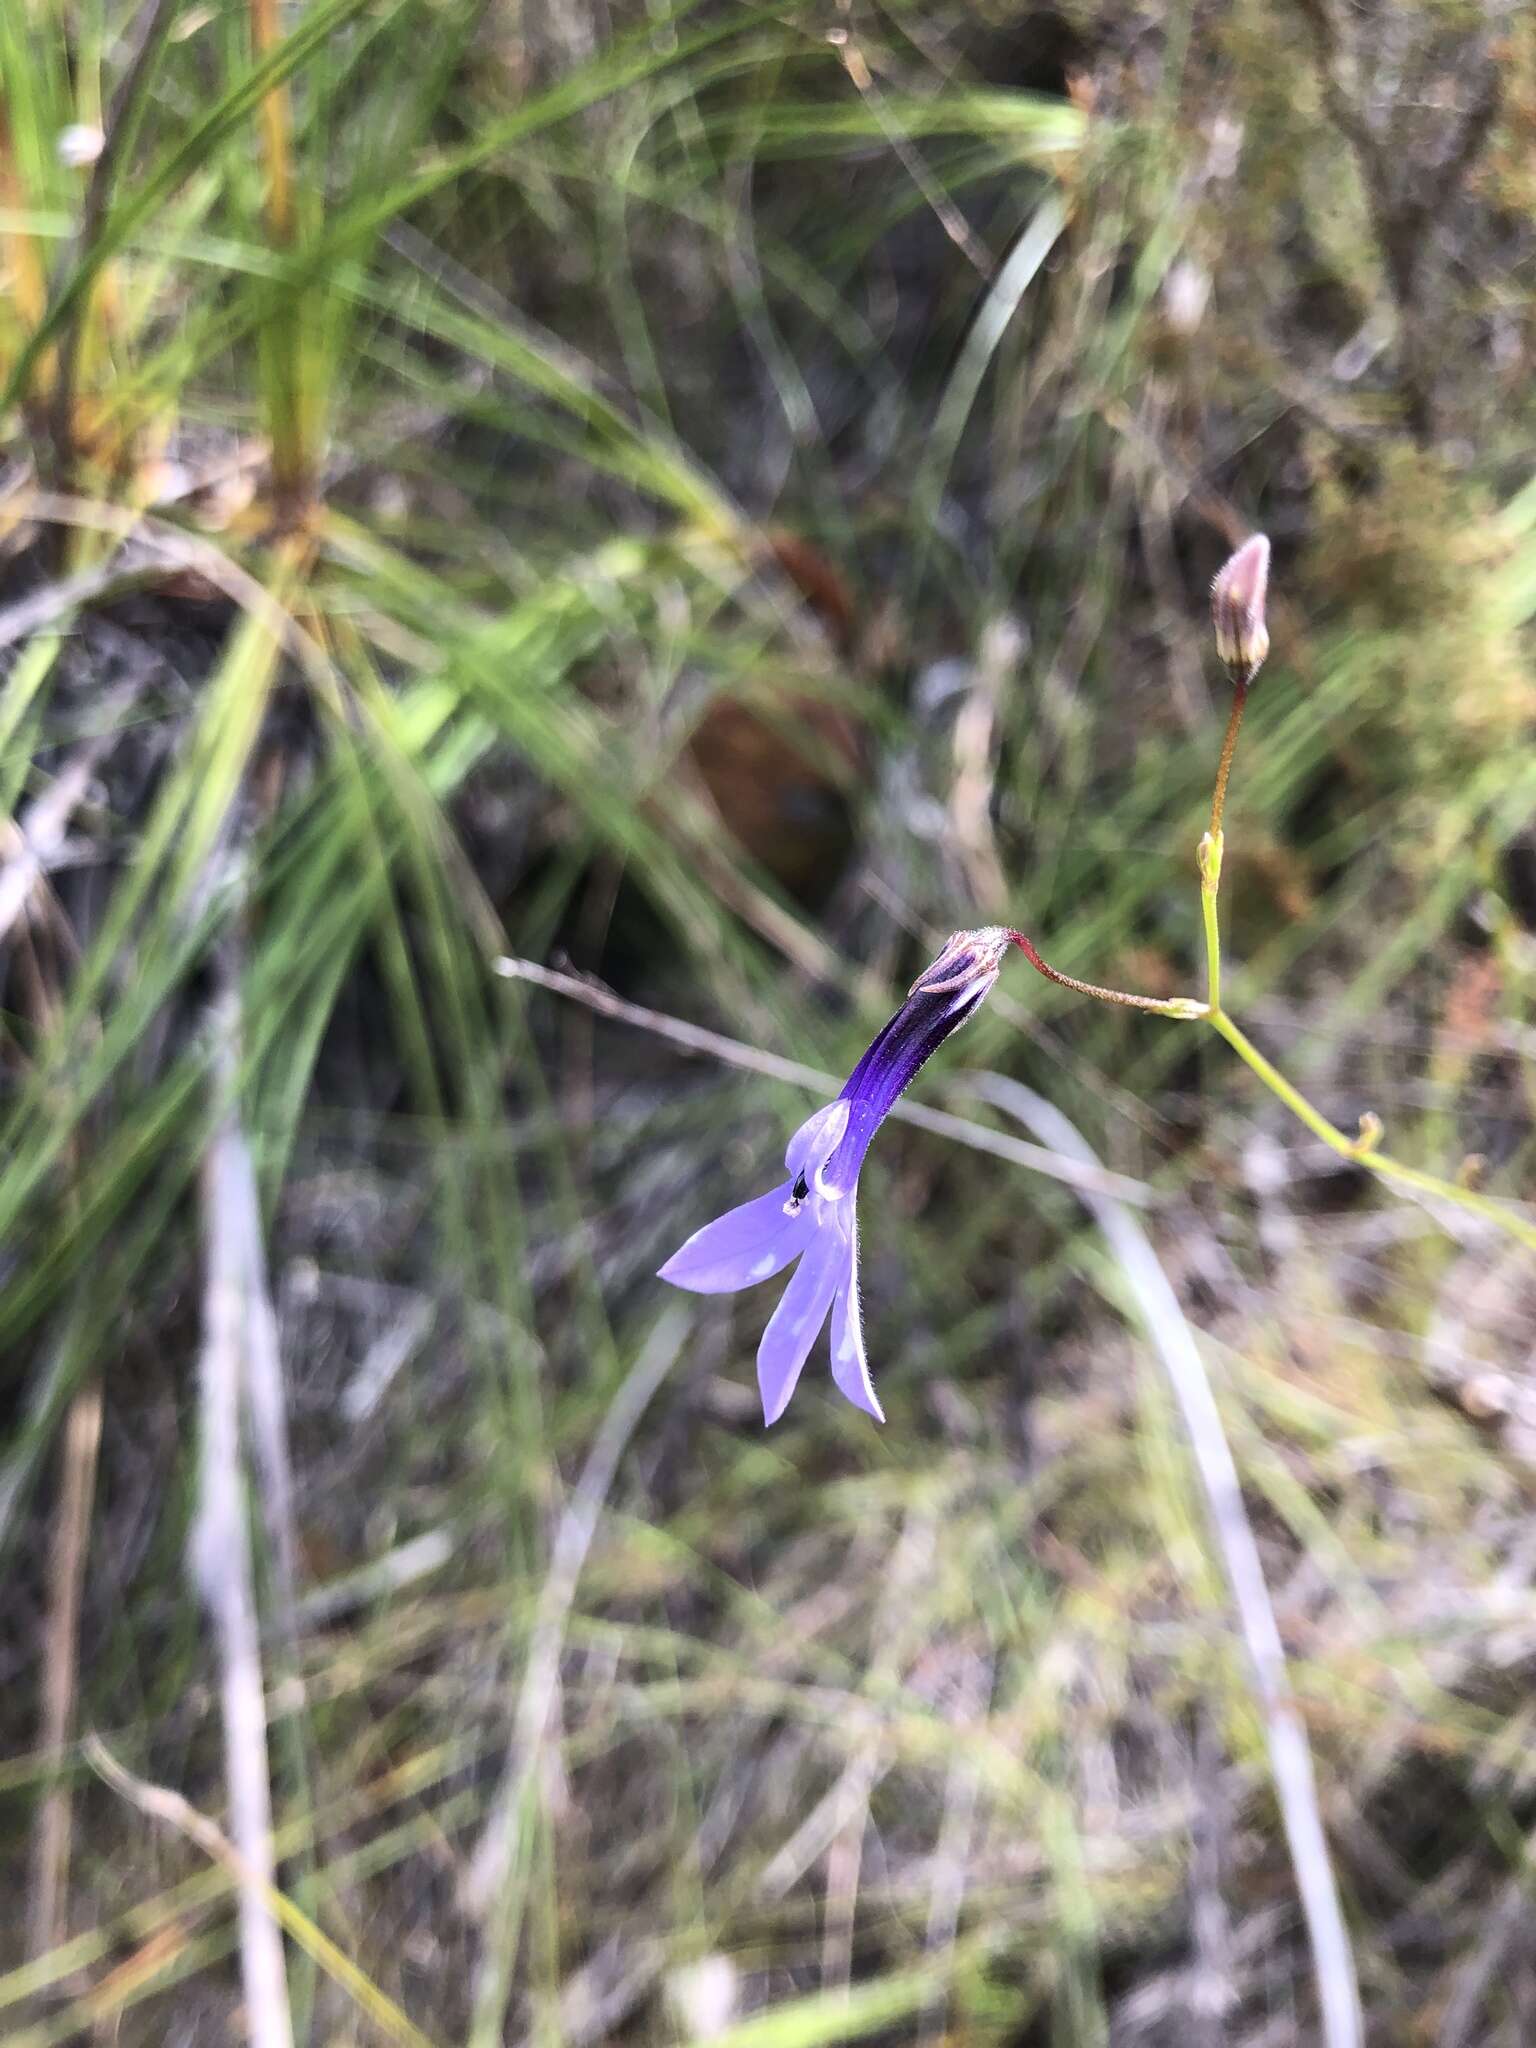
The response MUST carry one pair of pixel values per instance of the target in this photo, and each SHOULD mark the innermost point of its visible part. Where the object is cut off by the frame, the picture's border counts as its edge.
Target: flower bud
(1237, 608)
(968, 959)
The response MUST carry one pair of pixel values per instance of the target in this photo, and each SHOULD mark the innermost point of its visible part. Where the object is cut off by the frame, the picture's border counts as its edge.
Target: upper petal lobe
(815, 1142)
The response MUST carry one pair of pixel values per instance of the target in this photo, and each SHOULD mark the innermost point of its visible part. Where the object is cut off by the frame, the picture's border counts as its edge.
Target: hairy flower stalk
(811, 1217)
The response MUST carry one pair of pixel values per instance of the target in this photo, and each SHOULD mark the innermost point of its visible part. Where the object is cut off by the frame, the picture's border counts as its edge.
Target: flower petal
(741, 1247)
(815, 1142)
(850, 1367)
(796, 1323)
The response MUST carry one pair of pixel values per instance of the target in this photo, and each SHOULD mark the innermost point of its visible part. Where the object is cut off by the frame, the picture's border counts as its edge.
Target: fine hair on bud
(1237, 610)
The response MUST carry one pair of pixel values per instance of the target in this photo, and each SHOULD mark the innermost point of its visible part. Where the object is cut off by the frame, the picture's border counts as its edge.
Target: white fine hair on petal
(850, 1364)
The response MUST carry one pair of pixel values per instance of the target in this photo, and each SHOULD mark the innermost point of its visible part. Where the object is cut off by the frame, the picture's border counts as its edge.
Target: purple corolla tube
(811, 1217)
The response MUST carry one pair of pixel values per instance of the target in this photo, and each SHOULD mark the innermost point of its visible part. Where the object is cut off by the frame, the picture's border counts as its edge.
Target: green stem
(1360, 1150)
(1210, 887)
(1211, 845)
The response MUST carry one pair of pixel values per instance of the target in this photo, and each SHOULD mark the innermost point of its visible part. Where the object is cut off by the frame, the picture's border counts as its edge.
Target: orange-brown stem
(1228, 749)
(1162, 1007)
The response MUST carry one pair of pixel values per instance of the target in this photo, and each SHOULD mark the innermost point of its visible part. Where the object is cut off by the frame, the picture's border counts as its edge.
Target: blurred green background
(713, 497)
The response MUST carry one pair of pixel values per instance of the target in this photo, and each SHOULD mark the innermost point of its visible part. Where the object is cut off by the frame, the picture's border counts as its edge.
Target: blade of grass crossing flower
(1290, 1753)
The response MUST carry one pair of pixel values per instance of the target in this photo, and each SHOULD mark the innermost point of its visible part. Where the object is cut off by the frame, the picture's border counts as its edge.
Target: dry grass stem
(160, 1803)
(1290, 1753)
(168, 549)
(47, 1907)
(220, 1552)
(486, 1891)
(732, 1052)
(33, 844)
(42, 608)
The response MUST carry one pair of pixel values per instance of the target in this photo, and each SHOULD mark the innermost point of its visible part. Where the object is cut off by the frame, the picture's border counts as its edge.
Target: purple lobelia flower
(811, 1216)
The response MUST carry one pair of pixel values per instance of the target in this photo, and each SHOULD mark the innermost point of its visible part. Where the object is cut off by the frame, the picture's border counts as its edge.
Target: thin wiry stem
(1171, 1006)
(1228, 749)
